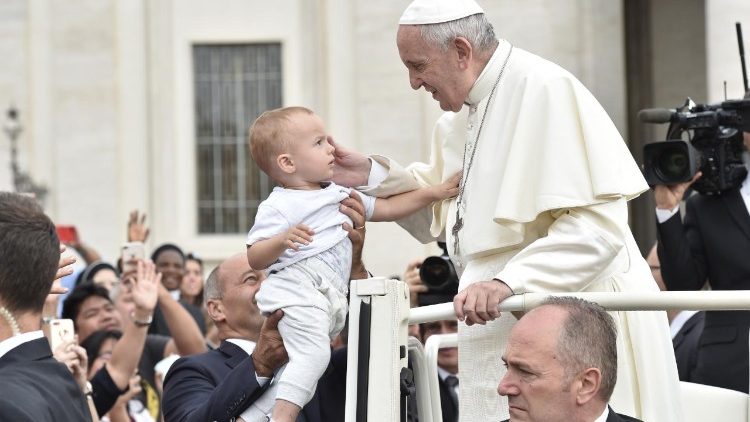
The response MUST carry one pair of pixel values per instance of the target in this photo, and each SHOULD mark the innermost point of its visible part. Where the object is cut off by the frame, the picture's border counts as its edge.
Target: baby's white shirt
(317, 209)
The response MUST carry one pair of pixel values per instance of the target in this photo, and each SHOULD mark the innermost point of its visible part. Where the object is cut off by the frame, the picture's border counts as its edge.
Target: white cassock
(546, 211)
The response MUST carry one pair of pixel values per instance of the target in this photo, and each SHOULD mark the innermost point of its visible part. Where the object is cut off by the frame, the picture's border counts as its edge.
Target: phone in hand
(132, 251)
(67, 234)
(60, 331)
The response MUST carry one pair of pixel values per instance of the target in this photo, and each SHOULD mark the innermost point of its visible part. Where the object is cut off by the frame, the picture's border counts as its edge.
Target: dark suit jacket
(614, 417)
(220, 384)
(35, 387)
(685, 344)
(712, 244)
(448, 408)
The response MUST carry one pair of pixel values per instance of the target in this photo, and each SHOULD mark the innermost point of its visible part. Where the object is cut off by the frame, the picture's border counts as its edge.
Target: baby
(298, 236)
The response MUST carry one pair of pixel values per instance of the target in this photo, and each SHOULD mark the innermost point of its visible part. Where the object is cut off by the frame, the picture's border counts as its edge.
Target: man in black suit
(685, 326)
(562, 364)
(34, 386)
(711, 244)
(220, 384)
(447, 367)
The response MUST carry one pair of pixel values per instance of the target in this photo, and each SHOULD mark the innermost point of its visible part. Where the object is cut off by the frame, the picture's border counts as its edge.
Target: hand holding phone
(60, 332)
(131, 253)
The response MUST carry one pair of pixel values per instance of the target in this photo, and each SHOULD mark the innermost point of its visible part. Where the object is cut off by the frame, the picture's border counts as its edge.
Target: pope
(542, 204)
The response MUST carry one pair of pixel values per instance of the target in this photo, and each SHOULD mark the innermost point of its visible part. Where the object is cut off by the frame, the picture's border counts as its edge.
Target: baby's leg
(305, 330)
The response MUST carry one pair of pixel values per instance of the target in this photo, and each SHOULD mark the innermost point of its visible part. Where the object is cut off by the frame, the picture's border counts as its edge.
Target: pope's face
(535, 382)
(438, 72)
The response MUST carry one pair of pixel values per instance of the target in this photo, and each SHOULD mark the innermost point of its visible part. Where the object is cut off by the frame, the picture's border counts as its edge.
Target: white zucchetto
(421, 12)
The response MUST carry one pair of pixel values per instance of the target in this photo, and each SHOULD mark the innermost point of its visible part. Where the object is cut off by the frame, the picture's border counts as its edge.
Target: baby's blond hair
(267, 136)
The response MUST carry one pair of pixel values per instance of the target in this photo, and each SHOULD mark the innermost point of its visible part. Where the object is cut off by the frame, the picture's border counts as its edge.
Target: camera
(714, 145)
(439, 275)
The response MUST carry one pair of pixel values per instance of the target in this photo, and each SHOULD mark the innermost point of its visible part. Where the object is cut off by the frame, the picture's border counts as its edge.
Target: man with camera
(710, 244)
(432, 281)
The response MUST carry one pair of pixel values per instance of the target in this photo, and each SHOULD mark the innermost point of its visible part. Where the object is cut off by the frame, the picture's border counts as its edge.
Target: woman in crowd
(191, 289)
(170, 263)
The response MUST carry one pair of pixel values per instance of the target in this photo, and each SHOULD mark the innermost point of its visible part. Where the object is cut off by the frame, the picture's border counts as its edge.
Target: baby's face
(310, 149)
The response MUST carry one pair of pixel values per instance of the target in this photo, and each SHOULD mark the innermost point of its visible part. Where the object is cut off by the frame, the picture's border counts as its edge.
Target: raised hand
(298, 235)
(74, 357)
(63, 268)
(145, 287)
(137, 229)
(667, 197)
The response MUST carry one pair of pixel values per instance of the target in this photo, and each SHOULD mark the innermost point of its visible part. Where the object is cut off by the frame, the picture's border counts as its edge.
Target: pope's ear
(464, 51)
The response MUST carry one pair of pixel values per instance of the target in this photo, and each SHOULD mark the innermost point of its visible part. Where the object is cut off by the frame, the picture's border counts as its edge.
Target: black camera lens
(673, 163)
(437, 273)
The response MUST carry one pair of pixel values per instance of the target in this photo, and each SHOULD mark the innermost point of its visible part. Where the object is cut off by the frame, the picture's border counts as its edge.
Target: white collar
(486, 80)
(443, 374)
(676, 325)
(246, 345)
(603, 417)
(11, 343)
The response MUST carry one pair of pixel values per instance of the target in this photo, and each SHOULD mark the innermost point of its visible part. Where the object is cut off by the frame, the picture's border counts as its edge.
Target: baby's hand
(298, 235)
(447, 189)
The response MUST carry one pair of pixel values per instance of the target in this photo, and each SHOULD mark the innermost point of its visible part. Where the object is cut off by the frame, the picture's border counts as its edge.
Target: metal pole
(612, 301)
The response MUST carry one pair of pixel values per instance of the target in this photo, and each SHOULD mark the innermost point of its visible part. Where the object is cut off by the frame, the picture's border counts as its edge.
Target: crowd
(521, 208)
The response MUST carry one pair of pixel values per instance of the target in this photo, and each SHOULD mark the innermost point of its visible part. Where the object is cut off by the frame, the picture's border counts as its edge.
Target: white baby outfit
(310, 285)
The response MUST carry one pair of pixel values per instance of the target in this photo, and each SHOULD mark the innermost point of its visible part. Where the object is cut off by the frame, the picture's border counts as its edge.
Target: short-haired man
(561, 362)
(34, 386)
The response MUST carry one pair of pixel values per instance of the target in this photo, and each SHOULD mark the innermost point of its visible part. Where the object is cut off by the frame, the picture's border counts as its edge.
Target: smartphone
(67, 234)
(132, 251)
(60, 331)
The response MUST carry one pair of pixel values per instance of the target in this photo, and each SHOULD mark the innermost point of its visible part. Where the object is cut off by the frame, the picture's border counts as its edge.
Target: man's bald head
(229, 296)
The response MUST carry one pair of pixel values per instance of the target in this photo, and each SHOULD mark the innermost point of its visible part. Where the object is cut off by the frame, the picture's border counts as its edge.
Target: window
(234, 84)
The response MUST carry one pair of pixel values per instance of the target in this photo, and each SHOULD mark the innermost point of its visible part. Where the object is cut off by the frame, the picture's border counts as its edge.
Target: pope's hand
(350, 168)
(477, 303)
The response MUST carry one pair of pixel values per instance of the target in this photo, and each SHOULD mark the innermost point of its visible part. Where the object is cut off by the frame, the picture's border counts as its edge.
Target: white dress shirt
(603, 417)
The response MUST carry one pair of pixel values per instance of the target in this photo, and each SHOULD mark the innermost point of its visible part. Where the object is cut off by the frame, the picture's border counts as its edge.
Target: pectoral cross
(456, 229)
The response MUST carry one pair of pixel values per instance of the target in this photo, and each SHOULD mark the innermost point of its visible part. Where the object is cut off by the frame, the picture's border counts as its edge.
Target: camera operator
(710, 244)
(432, 281)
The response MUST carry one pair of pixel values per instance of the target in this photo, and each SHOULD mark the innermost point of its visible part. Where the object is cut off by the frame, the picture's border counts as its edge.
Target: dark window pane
(206, 222)
(205, 173)
(234, 84)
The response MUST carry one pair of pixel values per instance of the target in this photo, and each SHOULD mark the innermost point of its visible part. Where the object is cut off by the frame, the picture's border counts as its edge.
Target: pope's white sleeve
(580, 248)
